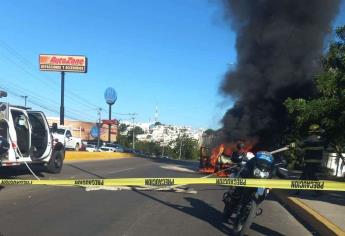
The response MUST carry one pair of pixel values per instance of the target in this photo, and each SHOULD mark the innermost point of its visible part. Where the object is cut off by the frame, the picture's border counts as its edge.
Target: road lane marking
(177, 168)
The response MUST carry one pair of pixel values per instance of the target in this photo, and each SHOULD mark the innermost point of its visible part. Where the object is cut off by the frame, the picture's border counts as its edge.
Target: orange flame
(227, 149)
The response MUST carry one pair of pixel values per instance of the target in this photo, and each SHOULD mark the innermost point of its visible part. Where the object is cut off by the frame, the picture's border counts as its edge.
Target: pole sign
(67, 63)
(110, 96)
(109, 122)
(94, 131)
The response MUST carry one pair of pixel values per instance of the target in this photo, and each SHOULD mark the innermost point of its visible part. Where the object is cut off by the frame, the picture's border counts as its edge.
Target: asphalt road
(49, 210)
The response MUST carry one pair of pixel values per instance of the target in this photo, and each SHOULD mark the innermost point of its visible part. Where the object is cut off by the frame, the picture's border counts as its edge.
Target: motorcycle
(242, 204)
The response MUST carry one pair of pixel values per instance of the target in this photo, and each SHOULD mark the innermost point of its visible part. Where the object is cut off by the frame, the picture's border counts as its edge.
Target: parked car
(128, 150)
(115, 146)
(107, 149)
(64, 136)
(91, 148)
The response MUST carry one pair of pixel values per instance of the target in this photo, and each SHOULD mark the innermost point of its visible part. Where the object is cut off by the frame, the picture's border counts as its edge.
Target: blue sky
(172, 54)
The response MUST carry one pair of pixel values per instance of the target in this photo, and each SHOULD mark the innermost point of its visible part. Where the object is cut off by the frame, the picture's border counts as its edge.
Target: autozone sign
(63, 63)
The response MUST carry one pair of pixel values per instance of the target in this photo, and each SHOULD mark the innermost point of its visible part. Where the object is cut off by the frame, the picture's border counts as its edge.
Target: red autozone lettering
(66, 61)
(235, 182)
(159, 182)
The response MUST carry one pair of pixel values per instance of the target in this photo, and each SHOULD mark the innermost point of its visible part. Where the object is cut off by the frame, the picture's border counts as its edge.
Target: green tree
(137, 130)
(122, 127)
(328, 108)
(209, 131)
(123, 140)
(187, 147)
(149, 147)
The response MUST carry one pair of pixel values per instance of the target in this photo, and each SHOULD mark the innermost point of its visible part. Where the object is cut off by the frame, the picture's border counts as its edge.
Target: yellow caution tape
(257, 183)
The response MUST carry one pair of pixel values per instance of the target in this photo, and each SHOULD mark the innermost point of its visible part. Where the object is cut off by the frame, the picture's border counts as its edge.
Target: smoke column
(279, 46)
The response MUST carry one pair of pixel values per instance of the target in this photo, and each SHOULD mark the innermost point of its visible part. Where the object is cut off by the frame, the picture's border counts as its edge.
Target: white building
(164, 134)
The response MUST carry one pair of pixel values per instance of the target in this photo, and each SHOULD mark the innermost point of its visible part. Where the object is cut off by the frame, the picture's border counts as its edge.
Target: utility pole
(133, 133)
(99, 126)
(62, 103)
(180, 151)
(25, 97)
(163, 143)
(180, 144)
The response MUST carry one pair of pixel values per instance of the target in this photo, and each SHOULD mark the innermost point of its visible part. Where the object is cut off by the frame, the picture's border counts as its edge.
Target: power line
(45, 106)
(26, 62)
(48, 102)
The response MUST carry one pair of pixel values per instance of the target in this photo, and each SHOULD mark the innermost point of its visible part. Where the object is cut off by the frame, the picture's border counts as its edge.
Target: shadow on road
(13, 172)
(205, 212)
(199, 209)
(85, 171)
(264, 230)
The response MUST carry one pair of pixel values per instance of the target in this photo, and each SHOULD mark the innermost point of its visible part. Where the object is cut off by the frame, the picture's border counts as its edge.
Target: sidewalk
(325, 214)
(331, 205)
(72, 156)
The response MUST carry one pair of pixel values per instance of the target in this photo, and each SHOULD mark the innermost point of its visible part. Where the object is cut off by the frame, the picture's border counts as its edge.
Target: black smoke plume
(279, 46)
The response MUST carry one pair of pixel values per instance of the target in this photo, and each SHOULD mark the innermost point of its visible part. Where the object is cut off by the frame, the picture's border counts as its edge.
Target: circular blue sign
(94, 132)
(110, 96)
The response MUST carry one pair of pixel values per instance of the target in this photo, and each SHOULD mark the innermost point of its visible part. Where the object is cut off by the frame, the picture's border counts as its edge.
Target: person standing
(313, 148)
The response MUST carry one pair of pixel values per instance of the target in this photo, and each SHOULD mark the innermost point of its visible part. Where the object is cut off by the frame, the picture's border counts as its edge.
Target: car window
(60, 131)
(68, 133)
(19, 119)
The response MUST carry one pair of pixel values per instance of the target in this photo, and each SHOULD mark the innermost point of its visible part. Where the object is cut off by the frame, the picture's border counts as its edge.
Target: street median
(95, 156)
(308, 215)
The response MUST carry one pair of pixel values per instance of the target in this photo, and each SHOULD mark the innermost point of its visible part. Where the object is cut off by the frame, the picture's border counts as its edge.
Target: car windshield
(60, 131)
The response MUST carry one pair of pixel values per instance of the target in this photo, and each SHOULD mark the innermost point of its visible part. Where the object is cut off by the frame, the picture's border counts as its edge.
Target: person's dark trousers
(309, 173)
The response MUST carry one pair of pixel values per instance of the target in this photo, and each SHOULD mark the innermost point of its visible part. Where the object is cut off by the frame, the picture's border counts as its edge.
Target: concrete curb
(71, 156)
(315, 220)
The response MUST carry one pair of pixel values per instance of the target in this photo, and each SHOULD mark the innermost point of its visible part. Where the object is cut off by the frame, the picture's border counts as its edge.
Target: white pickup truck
(25, 137)
(64, 136)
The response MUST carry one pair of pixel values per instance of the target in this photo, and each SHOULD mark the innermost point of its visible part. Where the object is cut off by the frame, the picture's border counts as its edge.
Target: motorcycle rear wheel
(240, 228)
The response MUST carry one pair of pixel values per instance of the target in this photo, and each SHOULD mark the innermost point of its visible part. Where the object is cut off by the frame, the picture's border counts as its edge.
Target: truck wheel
(54, 166)
(77, 147)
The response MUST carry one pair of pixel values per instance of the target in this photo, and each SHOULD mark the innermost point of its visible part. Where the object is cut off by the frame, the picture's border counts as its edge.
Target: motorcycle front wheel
(242, 226)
